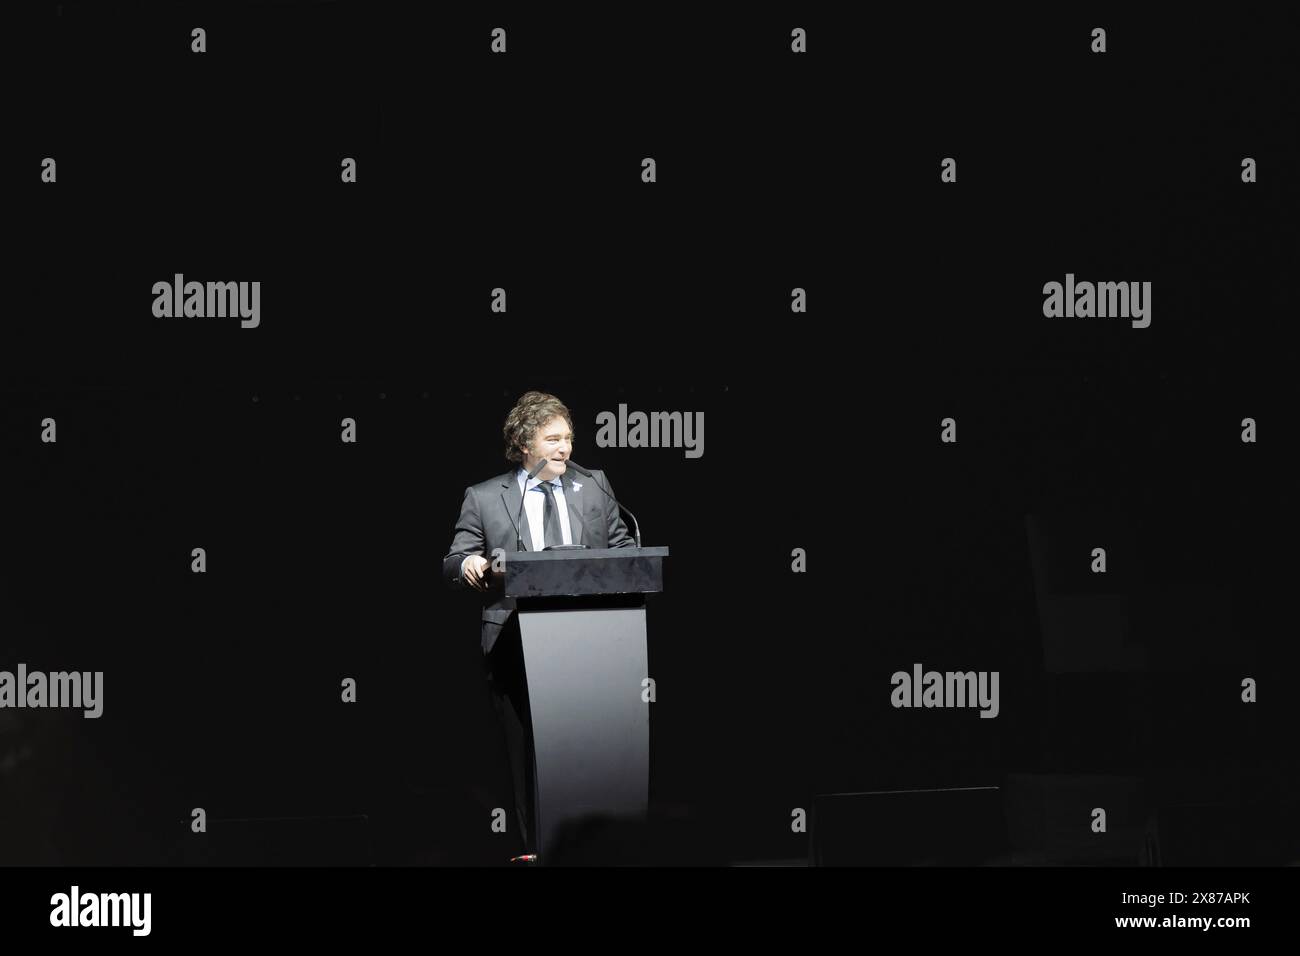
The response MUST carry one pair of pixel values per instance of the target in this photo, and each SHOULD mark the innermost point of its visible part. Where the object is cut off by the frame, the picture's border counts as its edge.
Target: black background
(822, 430)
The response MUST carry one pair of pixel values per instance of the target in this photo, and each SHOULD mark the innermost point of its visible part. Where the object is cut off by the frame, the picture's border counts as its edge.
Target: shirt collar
(530, 485)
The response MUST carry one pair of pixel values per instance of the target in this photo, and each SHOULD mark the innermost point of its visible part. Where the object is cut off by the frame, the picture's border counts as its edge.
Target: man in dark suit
(557, 510)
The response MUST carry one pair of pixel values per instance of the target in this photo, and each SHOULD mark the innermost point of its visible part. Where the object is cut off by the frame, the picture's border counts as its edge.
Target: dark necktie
(551, 533)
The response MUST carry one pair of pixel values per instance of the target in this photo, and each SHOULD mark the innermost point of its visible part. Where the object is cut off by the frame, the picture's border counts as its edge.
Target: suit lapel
(512, 496)
(574, 503)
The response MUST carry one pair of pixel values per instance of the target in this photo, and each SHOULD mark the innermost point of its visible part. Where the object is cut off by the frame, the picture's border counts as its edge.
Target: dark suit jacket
(487, 522)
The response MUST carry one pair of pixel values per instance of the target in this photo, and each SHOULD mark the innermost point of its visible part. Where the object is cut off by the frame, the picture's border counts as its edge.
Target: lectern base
(591, 728)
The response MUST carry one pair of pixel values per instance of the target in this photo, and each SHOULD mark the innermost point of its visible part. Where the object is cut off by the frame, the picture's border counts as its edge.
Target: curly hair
(531, 412)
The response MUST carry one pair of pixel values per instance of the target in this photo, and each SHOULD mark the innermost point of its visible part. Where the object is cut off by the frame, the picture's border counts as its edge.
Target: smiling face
(552, 442)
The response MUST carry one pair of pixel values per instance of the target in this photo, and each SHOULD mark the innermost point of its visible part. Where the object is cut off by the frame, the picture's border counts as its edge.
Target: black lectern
(582, 626)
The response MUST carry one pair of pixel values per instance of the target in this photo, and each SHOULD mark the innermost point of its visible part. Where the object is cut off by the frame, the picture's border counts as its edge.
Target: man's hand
(473, 571)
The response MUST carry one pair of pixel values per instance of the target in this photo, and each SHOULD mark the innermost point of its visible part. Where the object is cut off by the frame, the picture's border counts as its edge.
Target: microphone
(519, 518)
(636, 528)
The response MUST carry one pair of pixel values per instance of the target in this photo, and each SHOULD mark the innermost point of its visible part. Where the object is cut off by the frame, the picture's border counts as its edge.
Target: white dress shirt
(535, 506)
